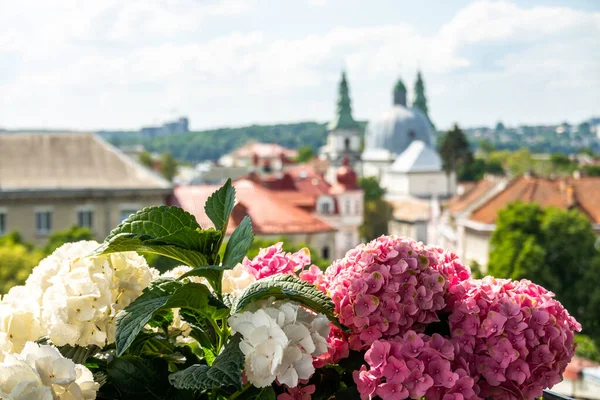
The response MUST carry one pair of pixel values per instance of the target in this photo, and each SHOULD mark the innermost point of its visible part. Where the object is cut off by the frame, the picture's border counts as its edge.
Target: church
(399, 146)
(399, 151)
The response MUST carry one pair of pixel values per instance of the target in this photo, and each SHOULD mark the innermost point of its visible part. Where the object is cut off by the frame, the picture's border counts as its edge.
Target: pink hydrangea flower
(414, 365)
(391, 285)
(516, 334)
(273, 260)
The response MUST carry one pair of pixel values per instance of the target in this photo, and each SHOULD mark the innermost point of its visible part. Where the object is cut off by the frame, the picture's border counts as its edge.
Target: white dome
(395, 130)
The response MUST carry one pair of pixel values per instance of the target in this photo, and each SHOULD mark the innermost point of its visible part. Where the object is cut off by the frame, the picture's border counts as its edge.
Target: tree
(377, 212)
(454, 150)
(371, 188)
(305, 153)
(472, 170)
(17, 259)
(145, 158)
(168, 166)
(486, 146)
(553, 248)
(494, 167)
(377, 215)
(591, 170)
(561, 163)
(519, 162)
(73, 234)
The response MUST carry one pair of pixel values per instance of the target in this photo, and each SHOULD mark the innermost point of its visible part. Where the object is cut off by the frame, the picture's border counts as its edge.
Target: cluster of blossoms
(514, 335)
(72, 298)
(279, 341)
(273, 260)
(42, 373)
(389, 286)
(414, 365)
(508, 340)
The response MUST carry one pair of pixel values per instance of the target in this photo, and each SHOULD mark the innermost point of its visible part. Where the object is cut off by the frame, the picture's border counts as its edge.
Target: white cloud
(85, 55)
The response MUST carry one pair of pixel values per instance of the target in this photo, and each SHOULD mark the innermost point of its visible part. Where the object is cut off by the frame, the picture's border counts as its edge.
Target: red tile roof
(270, 214)
(473, 191)
(582, 193)
(575, 367)
(264, 150)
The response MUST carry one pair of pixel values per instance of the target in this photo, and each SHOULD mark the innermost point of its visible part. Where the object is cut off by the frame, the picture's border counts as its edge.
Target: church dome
(397, 127)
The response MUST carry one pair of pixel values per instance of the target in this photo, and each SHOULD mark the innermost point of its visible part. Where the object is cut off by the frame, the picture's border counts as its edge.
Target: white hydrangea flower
(40, 372)
(279, 341)
(236, 280)
(72, 298)
(19, 319)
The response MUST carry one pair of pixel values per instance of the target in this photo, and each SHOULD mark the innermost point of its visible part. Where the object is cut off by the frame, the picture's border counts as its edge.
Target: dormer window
(325, 209)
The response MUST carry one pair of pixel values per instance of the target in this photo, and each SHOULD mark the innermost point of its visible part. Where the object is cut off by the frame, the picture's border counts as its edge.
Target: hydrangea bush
(393, 319)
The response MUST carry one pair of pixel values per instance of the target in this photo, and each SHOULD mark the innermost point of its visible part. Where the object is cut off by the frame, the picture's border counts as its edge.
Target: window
(325, 253)
(346, 143)
(85, 218)
(347, 209)
(350, 240)
(358, 210)
(125, 213)
(2, 222)
(411, 134)
(43, 222)
(325, 209)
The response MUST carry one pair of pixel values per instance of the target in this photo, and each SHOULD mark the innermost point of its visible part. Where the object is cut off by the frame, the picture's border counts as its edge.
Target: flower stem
(240, 392)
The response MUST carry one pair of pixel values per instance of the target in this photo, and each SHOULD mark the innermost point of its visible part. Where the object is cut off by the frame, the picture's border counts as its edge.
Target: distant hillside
(212, 144)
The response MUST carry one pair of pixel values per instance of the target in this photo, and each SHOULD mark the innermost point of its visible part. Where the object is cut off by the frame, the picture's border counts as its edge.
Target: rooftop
(581, 193)
(263, 150)
(69, 161)
(473, 191)
(418, 157)
(270, 214)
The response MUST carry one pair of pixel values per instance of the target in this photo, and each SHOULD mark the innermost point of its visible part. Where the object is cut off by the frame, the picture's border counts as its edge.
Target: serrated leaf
(161, 295)
(226, 370)
(78, 354)
(219, 206)
(143, 244)
(286, 287)
(156, 221)
(154, 345)
(133, 376)
(239, 243)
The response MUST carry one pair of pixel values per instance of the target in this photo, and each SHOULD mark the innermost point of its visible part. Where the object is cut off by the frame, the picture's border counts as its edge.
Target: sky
(113, 64)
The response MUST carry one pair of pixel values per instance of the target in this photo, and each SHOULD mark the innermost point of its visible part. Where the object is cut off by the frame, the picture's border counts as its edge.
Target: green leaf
(162, 319)
(226, 370)
(164, 293)
(210, 272)
(154, 345)
(144, 244)
(156, 222)
(239, 243)
(134, 376)
(77, 353)
(219, 206)
(286, 287)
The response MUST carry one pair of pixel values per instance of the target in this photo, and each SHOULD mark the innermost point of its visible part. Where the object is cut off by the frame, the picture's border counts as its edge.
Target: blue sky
(114, 64)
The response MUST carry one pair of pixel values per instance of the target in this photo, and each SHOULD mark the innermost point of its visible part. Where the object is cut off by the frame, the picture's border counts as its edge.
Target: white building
(399, 152)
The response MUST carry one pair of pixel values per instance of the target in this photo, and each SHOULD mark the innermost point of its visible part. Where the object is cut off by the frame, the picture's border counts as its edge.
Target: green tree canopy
(305, 153)
(73, 234)
(145, 158)
(168, 166)
(370, 185)
(454, 150)
(553, 248)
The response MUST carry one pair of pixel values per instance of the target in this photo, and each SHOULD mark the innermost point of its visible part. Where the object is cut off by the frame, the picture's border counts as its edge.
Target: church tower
(343, 139)
(420, 101)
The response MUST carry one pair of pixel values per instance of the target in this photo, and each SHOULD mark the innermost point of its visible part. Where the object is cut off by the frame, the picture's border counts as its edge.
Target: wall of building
(423, 184)
(416, 230)
(21, 214)
(476, 247)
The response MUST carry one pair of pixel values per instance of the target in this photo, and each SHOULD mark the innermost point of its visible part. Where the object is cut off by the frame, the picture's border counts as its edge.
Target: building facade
(51, 182)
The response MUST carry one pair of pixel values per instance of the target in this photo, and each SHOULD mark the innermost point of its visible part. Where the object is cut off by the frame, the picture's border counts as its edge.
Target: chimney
(570, 195)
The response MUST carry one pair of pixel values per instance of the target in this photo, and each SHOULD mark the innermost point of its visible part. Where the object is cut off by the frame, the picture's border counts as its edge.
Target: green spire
(400, 93)
(420, 101)
(343, 116)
